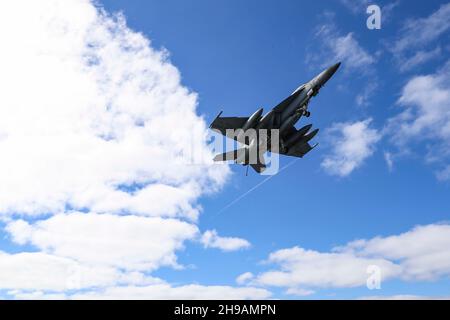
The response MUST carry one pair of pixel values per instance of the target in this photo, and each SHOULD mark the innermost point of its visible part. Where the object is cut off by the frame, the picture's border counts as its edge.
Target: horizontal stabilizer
(259, 167)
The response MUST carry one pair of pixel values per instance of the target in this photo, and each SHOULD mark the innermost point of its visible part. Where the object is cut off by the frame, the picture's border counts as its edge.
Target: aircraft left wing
(224, 123)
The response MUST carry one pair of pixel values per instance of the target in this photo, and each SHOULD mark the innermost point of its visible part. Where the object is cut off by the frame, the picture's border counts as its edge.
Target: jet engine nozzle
(310, 135)
(297, 136)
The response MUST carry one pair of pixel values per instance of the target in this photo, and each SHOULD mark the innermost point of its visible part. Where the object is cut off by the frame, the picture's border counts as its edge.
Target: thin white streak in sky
(253, 188)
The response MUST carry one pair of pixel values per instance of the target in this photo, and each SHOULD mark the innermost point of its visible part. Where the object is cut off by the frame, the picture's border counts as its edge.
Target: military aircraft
(284, 116)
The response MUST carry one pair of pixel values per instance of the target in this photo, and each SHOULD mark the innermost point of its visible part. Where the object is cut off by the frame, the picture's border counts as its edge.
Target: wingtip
(210, 126)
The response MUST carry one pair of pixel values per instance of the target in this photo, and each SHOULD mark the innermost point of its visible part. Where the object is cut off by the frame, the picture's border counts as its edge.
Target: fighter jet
(292, 141)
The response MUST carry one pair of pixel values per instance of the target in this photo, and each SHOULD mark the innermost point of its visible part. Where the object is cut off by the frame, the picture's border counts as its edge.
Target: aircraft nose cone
(327, 74)
(334, 68)
(330, 72)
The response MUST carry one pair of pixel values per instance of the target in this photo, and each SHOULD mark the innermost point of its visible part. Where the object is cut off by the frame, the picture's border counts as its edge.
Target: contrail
(254, 187)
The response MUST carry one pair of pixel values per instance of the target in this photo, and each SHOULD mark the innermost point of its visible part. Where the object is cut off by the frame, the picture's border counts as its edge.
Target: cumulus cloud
(423, 252)
(411, 48)
(425, 116)
(100, 158)
(88, 114)
(41, 271)
(127, 242)
(37, 275)
(309, 268)
(420, 254)
(352, 143)
(211, 239)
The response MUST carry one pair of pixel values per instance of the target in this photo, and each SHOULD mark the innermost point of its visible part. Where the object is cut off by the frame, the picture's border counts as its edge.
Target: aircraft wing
(283, 104)
(300, 149)
(224, 123)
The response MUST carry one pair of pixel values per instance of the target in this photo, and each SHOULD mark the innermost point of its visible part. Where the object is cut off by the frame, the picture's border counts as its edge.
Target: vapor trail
(254, 188)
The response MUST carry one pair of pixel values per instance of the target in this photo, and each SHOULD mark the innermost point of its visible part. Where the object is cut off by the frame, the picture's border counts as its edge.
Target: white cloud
(42, 271)
(363, 98)
(313, 269)
(96, 130)
(347, 49)
(418, 34)
(127, 242)
(36, 295)
(356, 6)
(387, 11)
(344, 48)
(422, 253)
(444, 174)
(360, 7)
(333, 46)
(211, 239)
(165, 291)
(404, 297)
(421, 31)
(156, 290)
(352, 143)
(426, 100)
(419, 57)
(425, 116)
(388, 157)
(91, 108)
(299, 292)
(244, 278)
(37, 275)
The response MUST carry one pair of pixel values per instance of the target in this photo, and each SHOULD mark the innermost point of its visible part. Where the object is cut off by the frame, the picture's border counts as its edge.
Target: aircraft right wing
(283, 104)
(300, 149)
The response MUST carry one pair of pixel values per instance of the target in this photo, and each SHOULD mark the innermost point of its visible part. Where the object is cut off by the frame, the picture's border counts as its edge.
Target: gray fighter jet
(284, 116)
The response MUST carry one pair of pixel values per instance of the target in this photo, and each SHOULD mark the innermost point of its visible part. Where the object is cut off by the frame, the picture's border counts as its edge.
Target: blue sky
(242, 55)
